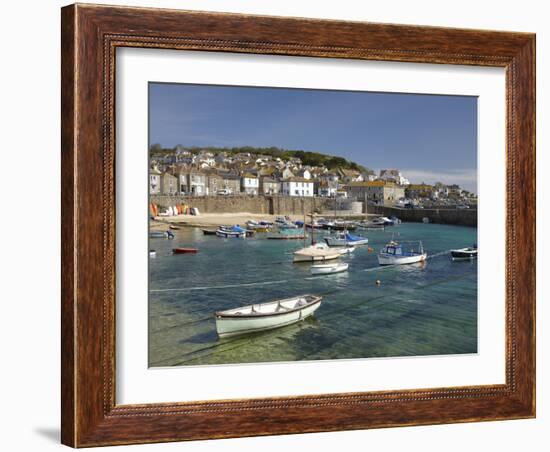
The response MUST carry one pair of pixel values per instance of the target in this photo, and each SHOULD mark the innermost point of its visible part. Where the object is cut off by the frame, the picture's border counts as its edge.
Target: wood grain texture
(90, 36)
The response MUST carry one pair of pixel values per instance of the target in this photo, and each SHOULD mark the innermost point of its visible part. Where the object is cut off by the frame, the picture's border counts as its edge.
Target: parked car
(224, 192)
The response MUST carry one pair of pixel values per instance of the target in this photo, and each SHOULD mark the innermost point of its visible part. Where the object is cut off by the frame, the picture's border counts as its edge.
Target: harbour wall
(273, 205)
(462, 217)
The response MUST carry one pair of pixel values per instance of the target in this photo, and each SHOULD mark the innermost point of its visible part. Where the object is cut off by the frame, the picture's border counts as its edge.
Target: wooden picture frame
(90, 36)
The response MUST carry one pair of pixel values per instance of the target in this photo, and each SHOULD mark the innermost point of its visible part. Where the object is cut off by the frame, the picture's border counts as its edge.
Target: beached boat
(161, 234)
(328, 269)
(464, 253)
(231, 232)
(265, 316)
(346, 239)
(316, 252)
(395, 253)
(209, 231)
(174, 227)
(184, 250)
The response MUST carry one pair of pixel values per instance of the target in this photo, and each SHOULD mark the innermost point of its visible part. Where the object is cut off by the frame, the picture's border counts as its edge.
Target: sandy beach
(205, 220)
(209, 220)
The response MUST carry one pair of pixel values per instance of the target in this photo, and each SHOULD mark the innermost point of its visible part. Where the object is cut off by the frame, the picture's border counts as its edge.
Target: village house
(269, 186)
(393, 175)
(215, 183)
(325, 188)
(231, 182)
(417, 191)
(349, 175)
(168, 184)
(297, 186)
(304, 173)
(376, 192)
(250, 184)
(287, 173)
(196, 183)
(182, 181)
(154, 181)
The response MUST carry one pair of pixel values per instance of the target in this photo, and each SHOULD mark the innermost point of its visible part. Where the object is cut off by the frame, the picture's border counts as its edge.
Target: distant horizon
(429, 138)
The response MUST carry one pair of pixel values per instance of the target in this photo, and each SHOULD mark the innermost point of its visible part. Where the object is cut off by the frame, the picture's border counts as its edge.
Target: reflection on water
(420, 309)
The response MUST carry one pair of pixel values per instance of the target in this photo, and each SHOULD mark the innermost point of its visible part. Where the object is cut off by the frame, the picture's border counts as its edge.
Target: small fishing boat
(464, 253)
(174, 227)
(161, 234)
(425, 220)
(384, 221)
(184, 250)
(265, 316)
(209, 231)
(328, 269)
(316, 252)
(231, 232)
(371, 226)
(346, 239)
(395, 253)
(152, 253)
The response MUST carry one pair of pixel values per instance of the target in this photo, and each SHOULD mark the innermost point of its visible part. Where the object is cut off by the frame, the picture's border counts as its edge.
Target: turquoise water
(419, 309)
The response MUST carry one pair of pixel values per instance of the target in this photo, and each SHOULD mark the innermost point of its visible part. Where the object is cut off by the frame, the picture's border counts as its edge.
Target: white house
(154, 181)
(297, 186)
(393, 175)
(250, 184)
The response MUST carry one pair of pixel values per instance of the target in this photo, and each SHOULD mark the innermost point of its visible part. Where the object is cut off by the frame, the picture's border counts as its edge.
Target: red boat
(184, 250)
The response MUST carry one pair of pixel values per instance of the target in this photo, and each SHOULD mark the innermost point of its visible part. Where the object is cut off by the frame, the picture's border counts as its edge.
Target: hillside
(309, 158)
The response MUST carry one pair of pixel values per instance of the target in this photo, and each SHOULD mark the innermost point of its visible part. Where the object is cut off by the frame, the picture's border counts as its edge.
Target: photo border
(90, 36)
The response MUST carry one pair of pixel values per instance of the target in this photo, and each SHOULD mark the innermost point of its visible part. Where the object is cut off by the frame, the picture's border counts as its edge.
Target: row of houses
(195, 183)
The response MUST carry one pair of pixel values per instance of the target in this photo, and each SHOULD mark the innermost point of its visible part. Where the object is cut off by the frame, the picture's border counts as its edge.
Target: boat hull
(316, 258)
(230, 235)
(400, 260)
(231, 326)
(185, 250)
(463, 255)
(328, 269)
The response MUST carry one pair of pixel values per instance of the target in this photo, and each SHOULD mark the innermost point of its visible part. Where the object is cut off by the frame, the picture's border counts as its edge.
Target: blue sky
(429, 137)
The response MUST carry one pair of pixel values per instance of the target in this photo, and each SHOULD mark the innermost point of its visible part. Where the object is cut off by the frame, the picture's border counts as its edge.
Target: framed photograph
(282, 225)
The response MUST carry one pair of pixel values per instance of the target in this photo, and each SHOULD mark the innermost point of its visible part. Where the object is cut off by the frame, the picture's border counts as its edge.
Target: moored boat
(152, 253)
(174, 227)
(316, 252)
(184, 250)
(395, 253)
(209, 231)
(231, 232)
(265, 316)
(346, 239)
(328, 269)
(161, 234)
(464, 253)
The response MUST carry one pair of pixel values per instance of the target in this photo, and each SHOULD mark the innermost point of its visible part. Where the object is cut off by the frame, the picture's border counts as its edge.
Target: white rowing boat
(265, 316)
(328, 269)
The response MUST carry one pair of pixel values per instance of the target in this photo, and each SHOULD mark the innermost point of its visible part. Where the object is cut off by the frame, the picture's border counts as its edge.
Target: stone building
(376, 192)
(168, 184)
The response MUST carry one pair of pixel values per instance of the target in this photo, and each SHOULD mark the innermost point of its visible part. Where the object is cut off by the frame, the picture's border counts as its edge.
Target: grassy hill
(307, 157)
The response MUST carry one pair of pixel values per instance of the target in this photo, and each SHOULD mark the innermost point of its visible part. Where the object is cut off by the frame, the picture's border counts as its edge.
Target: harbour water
(418, 309)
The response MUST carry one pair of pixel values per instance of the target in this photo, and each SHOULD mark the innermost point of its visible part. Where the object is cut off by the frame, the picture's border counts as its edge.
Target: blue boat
(231, 232)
